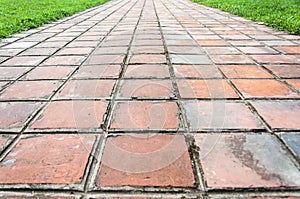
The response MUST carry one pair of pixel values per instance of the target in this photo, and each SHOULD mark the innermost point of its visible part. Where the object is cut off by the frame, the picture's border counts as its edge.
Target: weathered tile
(73, 114)
(149, 89)
(64, 60)
(148, 59)
(205, 89)
(147, 71)
(87, 89)
(231, 59)
(146, 160)
(189, 59)
(285, 71)
(244, 71)
(145, 115)
(98, 71)
(39, 160)
(15, 114)
(209, 115)
(24, 61)
(49, 72)
(259, 158)
(196, 71)
(263, 89)
(12, 73)
(281, 114)
(30, 90)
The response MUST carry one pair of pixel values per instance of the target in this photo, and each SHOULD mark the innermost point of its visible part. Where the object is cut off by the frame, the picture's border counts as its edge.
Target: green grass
(279, 14)
(19, 15)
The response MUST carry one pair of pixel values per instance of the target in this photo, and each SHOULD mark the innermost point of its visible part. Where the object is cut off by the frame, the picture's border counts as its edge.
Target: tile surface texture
(150, 99)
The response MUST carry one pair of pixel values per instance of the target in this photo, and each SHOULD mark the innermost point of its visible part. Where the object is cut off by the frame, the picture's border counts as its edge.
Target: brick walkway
(150, 99)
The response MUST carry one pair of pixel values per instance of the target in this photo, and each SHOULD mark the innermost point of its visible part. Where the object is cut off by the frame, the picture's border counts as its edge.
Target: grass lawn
(279, 14)
(19, 15)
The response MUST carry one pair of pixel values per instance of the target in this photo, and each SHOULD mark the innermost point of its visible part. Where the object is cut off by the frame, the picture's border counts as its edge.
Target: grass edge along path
(17, 16)
(278, 14)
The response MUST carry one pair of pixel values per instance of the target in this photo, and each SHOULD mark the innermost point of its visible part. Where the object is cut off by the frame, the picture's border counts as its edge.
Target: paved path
(150, 99)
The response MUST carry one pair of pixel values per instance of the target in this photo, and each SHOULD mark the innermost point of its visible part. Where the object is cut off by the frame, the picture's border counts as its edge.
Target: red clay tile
(181, 42)
(24, 61)
(21, 45)
(145, 115)
(147, 42)
(144, 36)
(30, 90)
(279, 114)
(288, 71)
(185, 50)
(227, 157)
(11, 73)
(76, 44)
(221, 50)
(147, 59)
(15, 114)
(89, 38)
(196, 71)
(257, 50)
(206, 37)
(74, 51)
(87, 89)
(111, 50)
(205, 89)
(39, 51)
(98, 71)
(265, 37)
(9, 52)
(140, 89)
(273, 59)
(231, 59)
(50, 72)
(204, 115)
(189, 59)
(263, 89)
(147, 71)
(105, 59)
(249, 43)
(212, 43)
(118, 37)
(147, 49)
(289, 49)
(116, 43)
(244, 71)
(143, 160)
(53, 159)
(236, 37)
(60, 38)
(295, 83)
(64, 60)
(72, 114)
(51, 44)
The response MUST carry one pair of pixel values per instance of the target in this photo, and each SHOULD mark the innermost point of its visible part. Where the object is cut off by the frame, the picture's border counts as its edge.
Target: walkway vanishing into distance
(150, 99)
